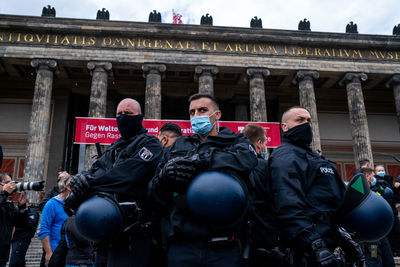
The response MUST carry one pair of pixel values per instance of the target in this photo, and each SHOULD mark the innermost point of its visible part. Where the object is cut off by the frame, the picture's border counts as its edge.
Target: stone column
(307, 100)
(358, 116)
(395, 83)
(153, 74)
(98, 101)
(258, 107)
(39, 124)
(206, 75)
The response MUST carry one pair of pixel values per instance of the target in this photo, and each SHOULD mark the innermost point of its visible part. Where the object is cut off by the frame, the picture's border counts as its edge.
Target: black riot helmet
(364, 212)
(217, 198)
(99, 219)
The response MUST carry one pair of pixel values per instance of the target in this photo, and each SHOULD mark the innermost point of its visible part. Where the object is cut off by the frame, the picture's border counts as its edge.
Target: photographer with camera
(10, 216)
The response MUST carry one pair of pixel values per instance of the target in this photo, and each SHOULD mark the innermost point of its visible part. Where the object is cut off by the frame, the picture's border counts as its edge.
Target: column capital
(43, 63)
(257, 73)
(395, 80)
(204, 69)
(99, 66)
(355, 77)
(153, 69)
(305, 75)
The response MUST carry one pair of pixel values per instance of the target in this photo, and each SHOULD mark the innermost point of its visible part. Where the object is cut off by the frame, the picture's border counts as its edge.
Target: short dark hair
(171, 127)
(254, 132)
(366, 171)
(3, 175)
(202, 95)
(363, 161)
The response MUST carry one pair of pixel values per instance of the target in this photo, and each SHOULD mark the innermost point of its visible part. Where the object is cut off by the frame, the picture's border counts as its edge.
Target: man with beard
(307, 190)
(123, 172)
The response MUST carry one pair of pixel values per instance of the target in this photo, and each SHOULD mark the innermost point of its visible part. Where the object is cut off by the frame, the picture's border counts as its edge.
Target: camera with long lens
(34, 186)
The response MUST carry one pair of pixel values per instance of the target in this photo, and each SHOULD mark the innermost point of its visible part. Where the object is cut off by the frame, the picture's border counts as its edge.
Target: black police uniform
(9, 216)
(263, 231)
(125, 170)
(307, 190)
(379, 253)
(192, 243)
(22, 238)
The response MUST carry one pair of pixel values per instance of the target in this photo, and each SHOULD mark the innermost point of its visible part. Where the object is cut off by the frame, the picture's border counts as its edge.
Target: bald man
(123, 171)
(307, 190)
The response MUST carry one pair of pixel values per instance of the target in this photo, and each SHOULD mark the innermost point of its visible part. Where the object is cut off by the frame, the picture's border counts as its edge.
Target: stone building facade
(55, 69)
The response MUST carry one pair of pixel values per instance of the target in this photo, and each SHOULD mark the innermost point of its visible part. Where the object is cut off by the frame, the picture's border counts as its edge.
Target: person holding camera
(53, 217)
(10, 216)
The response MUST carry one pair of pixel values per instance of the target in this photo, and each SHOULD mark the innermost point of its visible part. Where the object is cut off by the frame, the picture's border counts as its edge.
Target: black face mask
(129, 126)
(301, 134)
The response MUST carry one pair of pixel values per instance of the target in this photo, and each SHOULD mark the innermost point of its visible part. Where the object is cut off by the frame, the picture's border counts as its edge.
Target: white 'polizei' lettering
(326, 170)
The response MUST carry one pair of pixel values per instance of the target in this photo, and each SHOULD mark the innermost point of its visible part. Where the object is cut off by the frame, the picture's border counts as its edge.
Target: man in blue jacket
(53, 217)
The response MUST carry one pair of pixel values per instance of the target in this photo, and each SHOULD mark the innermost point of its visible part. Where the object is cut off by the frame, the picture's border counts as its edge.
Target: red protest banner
(105, 131)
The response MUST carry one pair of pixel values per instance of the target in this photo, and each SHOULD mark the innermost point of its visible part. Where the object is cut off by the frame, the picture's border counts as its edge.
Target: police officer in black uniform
(307, 190)
(379, 253)
(262, 228)
(194, 242)
(124, 171)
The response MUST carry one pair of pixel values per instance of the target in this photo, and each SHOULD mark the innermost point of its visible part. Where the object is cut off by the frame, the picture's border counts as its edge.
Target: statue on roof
(351, 28)
(49, 12)
(256, 22)
(206, 20)
(304, 25)
(103, 14)
(155, 16)
(396, 29)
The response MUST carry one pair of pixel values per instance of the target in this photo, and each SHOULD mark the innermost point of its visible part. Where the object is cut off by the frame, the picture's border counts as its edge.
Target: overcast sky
(371, 16)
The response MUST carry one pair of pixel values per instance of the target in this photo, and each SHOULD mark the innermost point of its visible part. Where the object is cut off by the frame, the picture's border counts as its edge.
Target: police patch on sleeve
(145, 154)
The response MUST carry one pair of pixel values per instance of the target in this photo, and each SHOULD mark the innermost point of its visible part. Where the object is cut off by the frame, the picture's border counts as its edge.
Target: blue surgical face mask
(373, 183)
(381, 174)
(202, 125)
(264, 154)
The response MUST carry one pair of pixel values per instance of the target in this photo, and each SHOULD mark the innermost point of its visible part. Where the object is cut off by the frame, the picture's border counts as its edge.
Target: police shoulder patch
(145, 154)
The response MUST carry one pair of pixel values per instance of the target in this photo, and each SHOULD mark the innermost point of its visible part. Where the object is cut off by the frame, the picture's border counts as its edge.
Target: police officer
(124, 171)
(379, 253)
(194, 242)
(307, 191)
(263, 233)
(168, 134)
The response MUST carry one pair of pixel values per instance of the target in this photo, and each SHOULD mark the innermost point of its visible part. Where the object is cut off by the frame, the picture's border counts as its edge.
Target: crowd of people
(155, 209)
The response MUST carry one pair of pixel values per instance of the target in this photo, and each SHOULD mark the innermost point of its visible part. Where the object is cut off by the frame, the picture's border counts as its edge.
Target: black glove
(322, 254)
(80, 186)
(352, 250)
(79, 192)
(71, 204)
(181, 170)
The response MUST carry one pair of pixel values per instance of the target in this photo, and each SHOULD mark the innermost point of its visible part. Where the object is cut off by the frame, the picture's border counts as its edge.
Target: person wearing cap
(307, 190)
